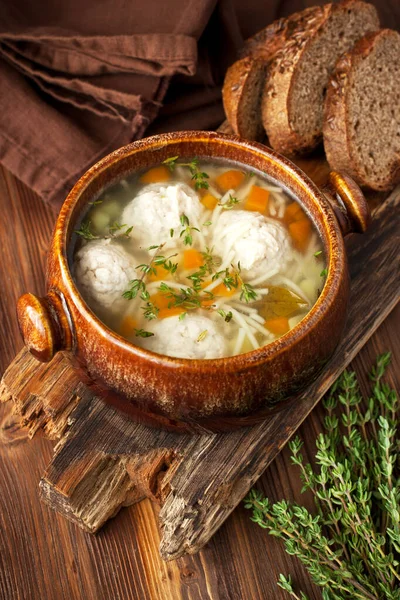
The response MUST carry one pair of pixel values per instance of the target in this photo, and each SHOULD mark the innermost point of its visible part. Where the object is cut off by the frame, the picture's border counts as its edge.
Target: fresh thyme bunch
(350, 545)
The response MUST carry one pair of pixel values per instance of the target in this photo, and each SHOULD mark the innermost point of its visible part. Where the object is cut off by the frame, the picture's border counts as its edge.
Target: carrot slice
(277, 325)
(294, 212)
(300, 232)
(156, 175)
(207, 302)
(164, 313)
(160, 300)
(161, 273)
(257, 199)
(128, 324)
(229, 180)
(222, 290)
(209, 201)
(192, 259)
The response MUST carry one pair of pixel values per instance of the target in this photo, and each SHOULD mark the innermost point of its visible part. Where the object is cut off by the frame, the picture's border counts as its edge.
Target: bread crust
(336, 126)
(265, 43)
(282, 77)
(234, 90)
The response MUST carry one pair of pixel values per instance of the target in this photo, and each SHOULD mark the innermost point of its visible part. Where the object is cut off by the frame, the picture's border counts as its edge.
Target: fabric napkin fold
(78, 80)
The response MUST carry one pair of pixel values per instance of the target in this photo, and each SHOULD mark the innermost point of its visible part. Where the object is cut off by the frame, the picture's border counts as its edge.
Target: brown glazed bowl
(184, 394)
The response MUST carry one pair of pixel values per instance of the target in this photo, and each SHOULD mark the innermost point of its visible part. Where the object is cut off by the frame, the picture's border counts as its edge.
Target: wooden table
(44, 556)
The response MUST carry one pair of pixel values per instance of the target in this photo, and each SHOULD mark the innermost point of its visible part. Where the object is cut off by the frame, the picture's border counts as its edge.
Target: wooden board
(103, 461)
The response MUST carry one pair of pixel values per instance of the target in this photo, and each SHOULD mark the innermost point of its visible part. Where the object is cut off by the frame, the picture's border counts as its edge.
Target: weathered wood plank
(104, 461)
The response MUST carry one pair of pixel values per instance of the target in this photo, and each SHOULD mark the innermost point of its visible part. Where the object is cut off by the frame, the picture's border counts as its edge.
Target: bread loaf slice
(362, 112)
(244, 81)
(292, 104)
(241, 96)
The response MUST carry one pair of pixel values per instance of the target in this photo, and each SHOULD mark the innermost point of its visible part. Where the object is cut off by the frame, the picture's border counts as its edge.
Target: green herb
(150, 310)
(187, 230)
(207, 224)
(116, 228)
(171, 233)
(188, 298)
(142, 333)
(207, 268)
(317, 253)
(199, 177)
(324, 273)
(170, 162)
(229, 204)
(227, 316)
(85, 231)
(248, 293)
(230, 280)
(202, 335)
(350, 544)
(233, 279)
(136, 286)
(182, 316)
(96, 202)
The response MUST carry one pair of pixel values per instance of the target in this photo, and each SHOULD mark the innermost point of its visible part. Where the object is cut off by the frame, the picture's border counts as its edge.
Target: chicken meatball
(157, 210)
(103, 270)
(258, 243)
(195, 336)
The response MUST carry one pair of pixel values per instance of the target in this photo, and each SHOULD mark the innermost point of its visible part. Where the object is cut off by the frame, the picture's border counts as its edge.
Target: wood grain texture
(60, 561)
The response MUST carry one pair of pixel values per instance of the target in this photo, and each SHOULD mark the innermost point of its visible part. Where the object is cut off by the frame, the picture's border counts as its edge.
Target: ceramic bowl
(180, 393)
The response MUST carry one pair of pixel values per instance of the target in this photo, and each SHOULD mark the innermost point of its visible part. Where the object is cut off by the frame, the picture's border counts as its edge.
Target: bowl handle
(348, 203)
(45, 324)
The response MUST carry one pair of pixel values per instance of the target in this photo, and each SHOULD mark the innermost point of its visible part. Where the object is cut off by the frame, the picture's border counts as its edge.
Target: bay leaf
(281, 302)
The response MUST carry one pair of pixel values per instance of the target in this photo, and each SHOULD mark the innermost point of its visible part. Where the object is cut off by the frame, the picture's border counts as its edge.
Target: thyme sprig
(350, 544)
(230, 203)
(86, 232)
(138, 286)
(115, 230)
(199, 177)
(143, 333)
(210, 263)
(188, 298)
(233, 279)
(187, 231)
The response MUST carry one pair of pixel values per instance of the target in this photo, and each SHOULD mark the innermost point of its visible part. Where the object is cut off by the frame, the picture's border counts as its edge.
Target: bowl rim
(333, 242)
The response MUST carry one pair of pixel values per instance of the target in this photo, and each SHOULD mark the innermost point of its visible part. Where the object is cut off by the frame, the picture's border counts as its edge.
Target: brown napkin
(71, 94)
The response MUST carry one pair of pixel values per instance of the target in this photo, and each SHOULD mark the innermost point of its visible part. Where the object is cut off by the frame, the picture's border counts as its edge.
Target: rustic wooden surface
(44, 556)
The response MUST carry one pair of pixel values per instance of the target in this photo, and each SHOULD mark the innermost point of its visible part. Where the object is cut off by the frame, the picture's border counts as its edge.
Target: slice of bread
(241, 95)
(292, 105)
(244, 81)
(362, 112)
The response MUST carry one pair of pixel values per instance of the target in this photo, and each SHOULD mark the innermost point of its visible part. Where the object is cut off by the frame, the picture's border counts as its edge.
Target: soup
(198, 260)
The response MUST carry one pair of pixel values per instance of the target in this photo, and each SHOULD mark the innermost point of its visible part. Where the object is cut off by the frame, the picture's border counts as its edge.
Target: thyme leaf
(227, 316)
(230, 203)
(85, 231)
(143, 333)
(187, 231)
(116, 229)
(199, 177)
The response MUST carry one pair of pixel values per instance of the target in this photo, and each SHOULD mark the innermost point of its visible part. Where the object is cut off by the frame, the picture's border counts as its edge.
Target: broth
(198, 259)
